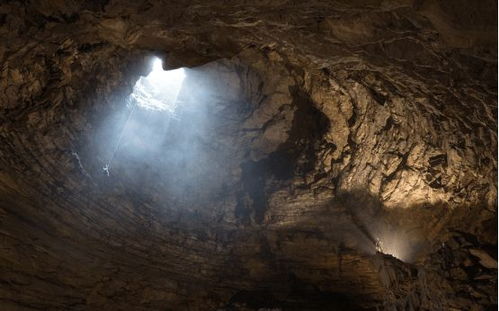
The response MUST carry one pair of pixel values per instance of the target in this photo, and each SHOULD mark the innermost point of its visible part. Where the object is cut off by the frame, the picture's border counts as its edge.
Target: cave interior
(264, 155)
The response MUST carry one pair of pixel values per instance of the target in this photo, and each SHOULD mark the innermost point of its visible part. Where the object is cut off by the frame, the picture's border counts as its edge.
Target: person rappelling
(106, 169)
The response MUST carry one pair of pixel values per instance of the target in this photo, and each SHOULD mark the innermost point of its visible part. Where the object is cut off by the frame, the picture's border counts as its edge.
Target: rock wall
(322, 131)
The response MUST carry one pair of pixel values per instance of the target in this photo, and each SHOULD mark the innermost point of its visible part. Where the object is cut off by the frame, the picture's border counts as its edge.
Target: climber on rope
(106, 169)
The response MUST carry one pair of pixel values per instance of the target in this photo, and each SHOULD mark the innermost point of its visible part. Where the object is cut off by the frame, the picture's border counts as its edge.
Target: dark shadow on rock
(295, 157)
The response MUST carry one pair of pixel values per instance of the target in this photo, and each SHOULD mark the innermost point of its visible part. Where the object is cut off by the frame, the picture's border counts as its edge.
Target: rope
(107, 167)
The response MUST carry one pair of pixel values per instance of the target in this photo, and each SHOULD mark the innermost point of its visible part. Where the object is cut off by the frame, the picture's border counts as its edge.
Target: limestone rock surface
(324, 155)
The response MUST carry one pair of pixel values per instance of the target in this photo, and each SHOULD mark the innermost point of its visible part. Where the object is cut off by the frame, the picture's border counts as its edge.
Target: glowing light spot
(396, 245)
(160, 89)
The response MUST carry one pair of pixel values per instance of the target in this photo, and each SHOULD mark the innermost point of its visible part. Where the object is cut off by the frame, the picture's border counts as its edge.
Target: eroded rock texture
(307, 133)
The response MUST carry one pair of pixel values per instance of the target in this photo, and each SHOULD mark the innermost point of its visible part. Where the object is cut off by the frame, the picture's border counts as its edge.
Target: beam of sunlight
(156, 92)
(175, 133)
(159, 90)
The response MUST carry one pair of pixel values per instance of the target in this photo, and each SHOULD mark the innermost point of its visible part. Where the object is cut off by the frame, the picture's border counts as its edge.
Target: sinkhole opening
(159, 90)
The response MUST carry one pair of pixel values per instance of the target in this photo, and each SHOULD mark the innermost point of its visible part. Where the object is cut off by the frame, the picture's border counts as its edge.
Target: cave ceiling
(319, 155)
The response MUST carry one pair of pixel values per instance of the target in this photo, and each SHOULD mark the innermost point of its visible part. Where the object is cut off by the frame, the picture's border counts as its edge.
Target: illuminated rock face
(305, 137)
